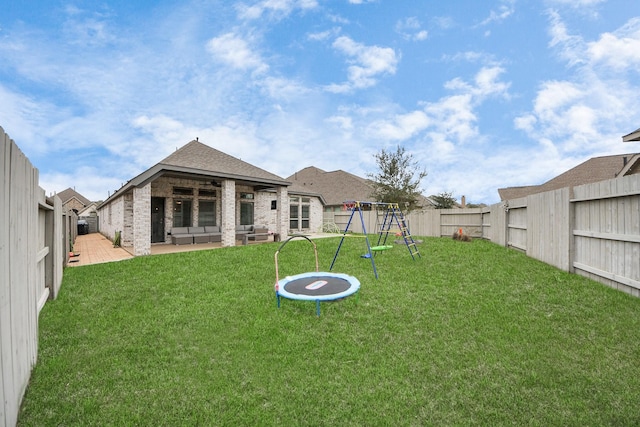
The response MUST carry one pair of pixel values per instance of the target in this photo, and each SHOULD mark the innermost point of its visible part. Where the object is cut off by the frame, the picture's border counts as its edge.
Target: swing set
(393, 222)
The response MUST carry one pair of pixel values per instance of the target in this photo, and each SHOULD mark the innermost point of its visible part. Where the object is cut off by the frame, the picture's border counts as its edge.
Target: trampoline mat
(317, 285)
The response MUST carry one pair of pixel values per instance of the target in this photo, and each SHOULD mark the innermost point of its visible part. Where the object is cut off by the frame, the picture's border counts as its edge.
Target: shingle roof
(70, 193)
(196, 155)
(593, 170)
(196, 159)
(336, 187)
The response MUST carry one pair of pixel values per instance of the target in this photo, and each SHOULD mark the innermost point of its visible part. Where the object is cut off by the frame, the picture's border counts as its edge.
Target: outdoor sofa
(212, 234)
(190, 235)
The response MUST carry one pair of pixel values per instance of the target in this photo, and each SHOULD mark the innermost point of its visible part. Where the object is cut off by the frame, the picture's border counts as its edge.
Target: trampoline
(314, 286)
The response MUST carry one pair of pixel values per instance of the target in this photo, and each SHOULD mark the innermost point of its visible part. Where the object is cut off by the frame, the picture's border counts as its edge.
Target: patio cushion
(180, 230)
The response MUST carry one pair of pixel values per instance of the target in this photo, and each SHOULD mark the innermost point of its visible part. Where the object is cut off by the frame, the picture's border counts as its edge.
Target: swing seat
(381, 248)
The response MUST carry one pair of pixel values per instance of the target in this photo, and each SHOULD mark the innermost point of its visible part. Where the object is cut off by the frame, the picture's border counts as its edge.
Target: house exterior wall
(163, 187)
(141, 224)
(73, 204)
(126, 239)
(112, 217)
(315, 216)
(228, 213)
(282, 213)
(315, 212)
(131, 213)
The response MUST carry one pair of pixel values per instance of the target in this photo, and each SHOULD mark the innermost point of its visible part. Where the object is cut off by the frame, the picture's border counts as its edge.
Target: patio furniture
(181, 236)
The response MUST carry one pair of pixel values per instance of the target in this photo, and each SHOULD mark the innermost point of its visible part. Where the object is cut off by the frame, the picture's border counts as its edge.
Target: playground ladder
(394, 216)
(393, 212)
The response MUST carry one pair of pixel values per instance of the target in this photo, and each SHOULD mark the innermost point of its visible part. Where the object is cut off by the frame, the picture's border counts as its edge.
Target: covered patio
(95, 248)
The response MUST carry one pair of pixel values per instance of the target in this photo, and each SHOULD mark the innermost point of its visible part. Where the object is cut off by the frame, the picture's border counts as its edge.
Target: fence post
(571, 228)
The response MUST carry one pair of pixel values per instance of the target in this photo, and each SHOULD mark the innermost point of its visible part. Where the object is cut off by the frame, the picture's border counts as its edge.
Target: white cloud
(582, 113)
(504, 11)
(401, 127)
(485, 83)
(277, 8)
(577, 3)
(278, 88)
(367, 63)
(451, 119)
(443, 22)
(236, 52)
(618, 50)
(324, 35)
(88, 28)
(569, 46)
(411, 29)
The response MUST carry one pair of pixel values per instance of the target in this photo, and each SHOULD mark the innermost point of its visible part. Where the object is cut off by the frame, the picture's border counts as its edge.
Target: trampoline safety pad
(317, 286)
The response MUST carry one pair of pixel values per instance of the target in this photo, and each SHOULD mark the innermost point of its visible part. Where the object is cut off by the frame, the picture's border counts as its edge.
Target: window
(248, 196)
(274, 205)
(206, 213)
(182, 213)
(305, 216)
(299, 213)
(179, 191)
(246, 213)
(207, 193)
(293, 217)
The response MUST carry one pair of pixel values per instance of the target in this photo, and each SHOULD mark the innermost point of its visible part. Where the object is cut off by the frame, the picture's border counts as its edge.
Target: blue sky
(483, 94)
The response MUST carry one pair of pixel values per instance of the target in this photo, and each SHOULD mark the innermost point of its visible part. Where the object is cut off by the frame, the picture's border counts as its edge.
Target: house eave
(159, 170)
(633, 136)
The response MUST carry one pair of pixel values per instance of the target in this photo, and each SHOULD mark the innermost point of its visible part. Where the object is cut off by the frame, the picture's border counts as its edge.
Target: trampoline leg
(318, 307)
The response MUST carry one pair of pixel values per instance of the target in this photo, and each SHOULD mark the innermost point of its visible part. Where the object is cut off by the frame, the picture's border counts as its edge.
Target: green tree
(444, 200)
(398, 179)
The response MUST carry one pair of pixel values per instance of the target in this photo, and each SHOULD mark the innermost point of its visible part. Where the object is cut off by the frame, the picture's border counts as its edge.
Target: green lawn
(469, 334)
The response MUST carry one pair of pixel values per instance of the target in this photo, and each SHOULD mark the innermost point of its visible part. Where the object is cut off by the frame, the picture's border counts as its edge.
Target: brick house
(198, 185)
(337, 187)
(73, 201)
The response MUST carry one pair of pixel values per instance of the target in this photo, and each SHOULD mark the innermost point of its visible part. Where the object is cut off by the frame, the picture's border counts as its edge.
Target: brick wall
(142, 220)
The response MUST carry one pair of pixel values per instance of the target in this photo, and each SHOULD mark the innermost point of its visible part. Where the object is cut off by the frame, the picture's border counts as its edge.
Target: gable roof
(335, 187)
(197, 156)
(88, 210)
(70, 193)
(196, 160)
(593, 170)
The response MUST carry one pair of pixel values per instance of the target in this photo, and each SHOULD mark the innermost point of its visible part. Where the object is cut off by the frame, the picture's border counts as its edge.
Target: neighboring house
(90, 214)
(90, 210)
(337, 187)
(593, 170)
(200, 186)
(72, 200)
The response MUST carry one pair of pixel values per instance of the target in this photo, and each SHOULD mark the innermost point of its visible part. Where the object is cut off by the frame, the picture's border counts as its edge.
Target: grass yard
(469, 334)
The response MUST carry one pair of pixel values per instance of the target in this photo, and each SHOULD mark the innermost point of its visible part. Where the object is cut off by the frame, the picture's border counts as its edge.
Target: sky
(482, 94)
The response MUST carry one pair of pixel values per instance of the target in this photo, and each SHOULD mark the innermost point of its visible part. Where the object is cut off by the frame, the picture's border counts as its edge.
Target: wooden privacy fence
(34, 243)
(592, 229)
